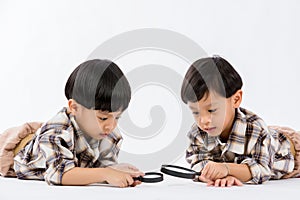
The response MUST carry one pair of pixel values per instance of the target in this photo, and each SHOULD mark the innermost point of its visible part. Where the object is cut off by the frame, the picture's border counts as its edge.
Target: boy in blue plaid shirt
(230, 145)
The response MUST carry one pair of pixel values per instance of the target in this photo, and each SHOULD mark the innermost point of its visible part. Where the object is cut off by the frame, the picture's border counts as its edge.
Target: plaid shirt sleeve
(267, 154)
(259, 158)
(47, 157)
(55, 147)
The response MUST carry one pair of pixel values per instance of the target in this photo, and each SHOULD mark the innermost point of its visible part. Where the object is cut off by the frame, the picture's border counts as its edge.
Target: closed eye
(212, 110)
(103, 118)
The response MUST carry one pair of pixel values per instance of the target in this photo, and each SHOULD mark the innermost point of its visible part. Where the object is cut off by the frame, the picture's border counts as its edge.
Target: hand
(214, 170)
(205, 180)
(130, 169)
(118, 178)
(228, 181)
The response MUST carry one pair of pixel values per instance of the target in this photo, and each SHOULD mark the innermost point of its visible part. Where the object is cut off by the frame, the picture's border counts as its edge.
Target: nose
(205, 119)
(109, 126)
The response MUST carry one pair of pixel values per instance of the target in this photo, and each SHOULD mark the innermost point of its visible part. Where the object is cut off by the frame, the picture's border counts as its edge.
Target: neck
(224, 136)
(226, 132)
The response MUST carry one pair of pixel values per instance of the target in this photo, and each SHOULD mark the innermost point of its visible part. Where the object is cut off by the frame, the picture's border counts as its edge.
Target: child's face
(95, 123)
(214, 114)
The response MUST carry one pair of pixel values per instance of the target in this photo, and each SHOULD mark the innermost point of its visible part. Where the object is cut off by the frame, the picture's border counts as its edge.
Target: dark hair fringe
(99, 85)
(210, 74)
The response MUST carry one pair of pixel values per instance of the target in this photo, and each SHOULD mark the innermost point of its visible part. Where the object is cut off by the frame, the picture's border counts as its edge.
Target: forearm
(240, 171)
(83, 176)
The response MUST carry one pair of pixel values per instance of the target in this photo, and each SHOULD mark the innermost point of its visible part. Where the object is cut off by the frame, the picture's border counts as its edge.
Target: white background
(41, 42)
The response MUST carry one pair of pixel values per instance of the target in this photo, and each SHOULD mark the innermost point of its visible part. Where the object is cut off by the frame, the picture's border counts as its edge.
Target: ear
(73, 106)
(237, 98)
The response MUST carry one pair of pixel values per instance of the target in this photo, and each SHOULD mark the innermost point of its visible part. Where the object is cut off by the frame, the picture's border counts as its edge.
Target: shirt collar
(236, 140)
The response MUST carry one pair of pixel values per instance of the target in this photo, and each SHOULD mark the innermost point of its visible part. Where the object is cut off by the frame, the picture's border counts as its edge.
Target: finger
(138, 182)
(237, 182)
(125, 182)
(121, 184)
(129, 180)
(230, 182)
(217, 182)
(135, 183)
(223, 182)
(210, 183)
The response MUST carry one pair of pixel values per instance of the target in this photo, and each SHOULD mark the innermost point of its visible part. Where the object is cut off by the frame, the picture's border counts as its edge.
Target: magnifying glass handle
(139, 178)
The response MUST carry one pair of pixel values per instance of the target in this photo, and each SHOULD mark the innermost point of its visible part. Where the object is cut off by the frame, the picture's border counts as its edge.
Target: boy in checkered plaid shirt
(80, 144)
(230, 145)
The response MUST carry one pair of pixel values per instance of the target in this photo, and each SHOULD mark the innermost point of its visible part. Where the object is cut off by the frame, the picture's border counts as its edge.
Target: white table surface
(170, 188)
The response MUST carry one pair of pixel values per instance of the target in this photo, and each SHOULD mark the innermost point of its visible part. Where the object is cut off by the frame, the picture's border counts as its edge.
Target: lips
(210, 129)
(103, 134)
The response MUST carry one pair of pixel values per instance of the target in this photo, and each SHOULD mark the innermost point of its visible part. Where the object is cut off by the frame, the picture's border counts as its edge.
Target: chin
(214, 133)
(101, 136)
(97, 137)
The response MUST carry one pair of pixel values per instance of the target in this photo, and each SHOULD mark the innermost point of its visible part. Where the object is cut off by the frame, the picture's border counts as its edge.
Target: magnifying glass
(180, 172)
(150, 177)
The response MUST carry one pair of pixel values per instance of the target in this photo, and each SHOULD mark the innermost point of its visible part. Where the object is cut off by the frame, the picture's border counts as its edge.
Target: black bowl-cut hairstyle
(99, 85)
(210, 74)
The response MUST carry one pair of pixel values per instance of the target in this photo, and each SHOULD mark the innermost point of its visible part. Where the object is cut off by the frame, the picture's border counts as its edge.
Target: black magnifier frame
(189, 174)
(159, 178)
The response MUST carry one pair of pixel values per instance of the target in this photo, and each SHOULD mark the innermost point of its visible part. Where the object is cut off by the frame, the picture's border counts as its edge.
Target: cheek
(92, 123)
(219, 118)
(116, 124)
(197, 119)
(98, 124)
